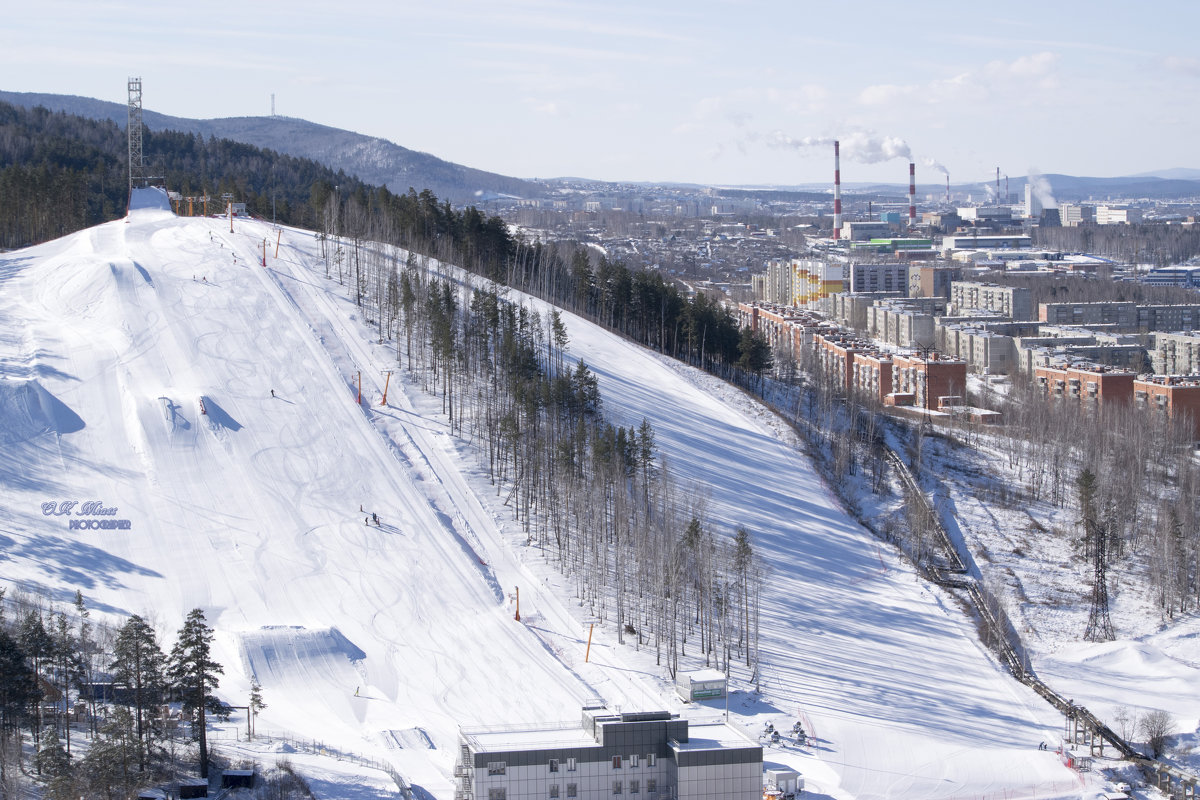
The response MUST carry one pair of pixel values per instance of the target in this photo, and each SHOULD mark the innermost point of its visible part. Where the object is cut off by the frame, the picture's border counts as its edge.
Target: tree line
(1157, 244)
(594, 496)
(119, 733)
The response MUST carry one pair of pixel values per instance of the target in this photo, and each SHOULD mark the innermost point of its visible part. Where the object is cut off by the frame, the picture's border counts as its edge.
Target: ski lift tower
(137, 165)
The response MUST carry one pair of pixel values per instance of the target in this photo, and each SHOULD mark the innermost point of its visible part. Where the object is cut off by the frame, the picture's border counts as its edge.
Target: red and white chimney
(912, 195)
(837, 190)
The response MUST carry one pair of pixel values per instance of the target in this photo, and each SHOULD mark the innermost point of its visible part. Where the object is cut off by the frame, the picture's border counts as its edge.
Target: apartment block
(1121, 314)
(879, 278)
(928, 379)
(1177, 353)
(1014, 302)
(872, 374)
(1174, 395)
(1090, 383)
(932, 281)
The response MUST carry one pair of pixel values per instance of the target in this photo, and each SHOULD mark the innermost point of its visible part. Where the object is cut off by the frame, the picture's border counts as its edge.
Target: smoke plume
(860, 147)
(1041, 189)
(929, 162)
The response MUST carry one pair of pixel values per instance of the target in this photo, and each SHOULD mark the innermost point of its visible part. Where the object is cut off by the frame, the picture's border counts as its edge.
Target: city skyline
(717, 92)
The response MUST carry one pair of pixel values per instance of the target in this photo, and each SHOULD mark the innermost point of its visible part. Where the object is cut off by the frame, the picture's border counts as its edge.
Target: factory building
(1072, 215)
(1117, 215)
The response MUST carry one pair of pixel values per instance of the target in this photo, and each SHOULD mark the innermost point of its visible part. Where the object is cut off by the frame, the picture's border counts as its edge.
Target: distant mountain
(373, 160)
(1175, 173)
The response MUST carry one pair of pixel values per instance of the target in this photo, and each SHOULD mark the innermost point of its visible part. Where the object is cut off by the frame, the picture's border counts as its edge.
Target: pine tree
(256, 703)
(55, 768)
(138, 664)
(38, 647)
(194, 675)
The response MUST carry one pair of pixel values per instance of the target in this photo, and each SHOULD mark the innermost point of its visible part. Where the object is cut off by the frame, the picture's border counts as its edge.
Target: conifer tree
(194, 675)
(138, 664)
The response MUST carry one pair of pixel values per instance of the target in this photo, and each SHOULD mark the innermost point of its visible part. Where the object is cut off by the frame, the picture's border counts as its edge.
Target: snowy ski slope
(384, 639)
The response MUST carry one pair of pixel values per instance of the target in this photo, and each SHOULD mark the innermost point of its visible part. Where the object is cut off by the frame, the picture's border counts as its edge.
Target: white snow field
(383, 640)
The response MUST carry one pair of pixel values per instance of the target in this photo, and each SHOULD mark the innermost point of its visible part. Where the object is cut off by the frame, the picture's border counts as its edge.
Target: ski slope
(138, 360)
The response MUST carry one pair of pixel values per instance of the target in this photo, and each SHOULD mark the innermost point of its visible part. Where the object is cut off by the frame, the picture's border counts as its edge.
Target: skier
(375, 518)
(272, 393)
(367, 521)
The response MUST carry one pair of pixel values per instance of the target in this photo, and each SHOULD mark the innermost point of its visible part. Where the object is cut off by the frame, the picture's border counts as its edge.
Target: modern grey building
(632, 756)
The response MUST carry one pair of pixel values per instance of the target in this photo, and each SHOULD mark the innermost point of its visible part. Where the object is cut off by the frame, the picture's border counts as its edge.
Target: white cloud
(1036, 71)
(885, 93)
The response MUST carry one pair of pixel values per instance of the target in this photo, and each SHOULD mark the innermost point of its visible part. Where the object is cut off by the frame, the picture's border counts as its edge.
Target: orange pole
(588, 654)
(386, 381)
(231, 216)
(518, 615)
(278, 236)
(360, 387)
(264, 252)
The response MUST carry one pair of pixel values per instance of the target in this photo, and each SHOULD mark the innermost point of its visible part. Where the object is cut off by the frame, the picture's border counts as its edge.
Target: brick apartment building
(929, 379)
(1178, 396)
(1094, 384)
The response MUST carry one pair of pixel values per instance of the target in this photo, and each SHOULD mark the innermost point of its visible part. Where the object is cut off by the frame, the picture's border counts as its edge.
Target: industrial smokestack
(837, 189)
(912, 195)
(947, 188)
(997, 186)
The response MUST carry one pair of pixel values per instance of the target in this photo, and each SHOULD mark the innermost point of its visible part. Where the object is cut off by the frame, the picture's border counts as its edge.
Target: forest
(92, 699)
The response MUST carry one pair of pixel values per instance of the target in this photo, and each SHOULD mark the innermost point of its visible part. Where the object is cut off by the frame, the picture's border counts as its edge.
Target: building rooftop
(528, 737)
(713, 735)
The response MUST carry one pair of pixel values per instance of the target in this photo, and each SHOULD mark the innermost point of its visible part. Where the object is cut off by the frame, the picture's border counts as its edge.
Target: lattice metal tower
(1099, 625)
(137, 165)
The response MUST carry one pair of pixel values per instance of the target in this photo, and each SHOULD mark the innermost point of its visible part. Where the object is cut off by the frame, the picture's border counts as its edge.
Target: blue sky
(709, 91)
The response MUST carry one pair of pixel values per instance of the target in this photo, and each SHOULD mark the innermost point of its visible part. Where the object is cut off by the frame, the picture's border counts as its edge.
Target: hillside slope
(138, 366)
(373, 160)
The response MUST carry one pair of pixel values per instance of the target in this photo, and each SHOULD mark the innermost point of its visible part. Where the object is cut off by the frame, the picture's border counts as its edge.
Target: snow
(137, 366)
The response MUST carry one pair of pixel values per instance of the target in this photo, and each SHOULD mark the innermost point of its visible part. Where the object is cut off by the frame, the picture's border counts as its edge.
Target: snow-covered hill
(138, 363)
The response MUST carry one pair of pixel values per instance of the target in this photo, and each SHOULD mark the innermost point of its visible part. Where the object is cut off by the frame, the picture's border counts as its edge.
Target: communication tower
(137, 165)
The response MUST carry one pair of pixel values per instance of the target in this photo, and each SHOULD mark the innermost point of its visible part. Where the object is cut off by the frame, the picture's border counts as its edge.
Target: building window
(616, 762)
(650, 759)
(617, 786)
(633, 787)
(554, 790)
(651, 785)
(554, 765)
(572, 790)
(496, 767)
(570, 765)
(633, 760)
(496, 794)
